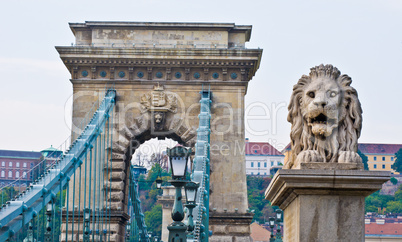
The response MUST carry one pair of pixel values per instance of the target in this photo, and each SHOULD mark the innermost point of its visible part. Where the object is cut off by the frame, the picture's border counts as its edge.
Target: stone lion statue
(326, 118)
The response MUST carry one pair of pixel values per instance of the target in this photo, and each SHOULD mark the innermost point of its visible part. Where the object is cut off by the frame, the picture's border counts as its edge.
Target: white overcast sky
(363, 38)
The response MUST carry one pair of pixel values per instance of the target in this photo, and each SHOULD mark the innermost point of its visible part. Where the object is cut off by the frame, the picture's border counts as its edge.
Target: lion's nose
(319, 102)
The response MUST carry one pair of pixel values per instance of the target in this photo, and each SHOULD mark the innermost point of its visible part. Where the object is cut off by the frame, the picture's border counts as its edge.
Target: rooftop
(20, 154)
(261, 148)
(161, 34)
(383, 229)
(258, 233)
(389, 149)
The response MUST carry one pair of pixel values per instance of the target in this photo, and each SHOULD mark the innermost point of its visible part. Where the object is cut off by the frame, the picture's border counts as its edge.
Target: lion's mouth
(322, 125)
(322, 119)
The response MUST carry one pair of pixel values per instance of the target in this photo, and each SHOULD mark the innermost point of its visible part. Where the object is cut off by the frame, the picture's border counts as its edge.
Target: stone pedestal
(229, 227)
(323, 205)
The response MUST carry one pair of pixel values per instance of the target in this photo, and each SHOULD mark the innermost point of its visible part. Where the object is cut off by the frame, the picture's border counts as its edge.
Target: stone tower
(158, 70)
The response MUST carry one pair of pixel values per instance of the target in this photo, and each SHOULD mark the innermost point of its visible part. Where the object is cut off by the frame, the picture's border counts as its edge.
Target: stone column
(323, 204)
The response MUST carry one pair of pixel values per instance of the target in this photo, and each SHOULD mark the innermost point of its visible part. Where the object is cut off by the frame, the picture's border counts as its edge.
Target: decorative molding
(75, 72)
(93, 70)
(243, 74)
(187, 73)
(149, 69)
(111, 73)
(206, 71)
(131, 73)
(168, 73)
(148, 63)
(224, 74)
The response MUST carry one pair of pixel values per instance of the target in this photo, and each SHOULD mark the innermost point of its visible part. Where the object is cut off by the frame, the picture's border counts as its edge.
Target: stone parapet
(323, 205)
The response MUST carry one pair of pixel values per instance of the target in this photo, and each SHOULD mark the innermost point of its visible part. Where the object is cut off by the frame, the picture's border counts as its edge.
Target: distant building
(383, 229)
(22, 167)
(17, 164)
(380, 156)
(262, 159)
(287, 152)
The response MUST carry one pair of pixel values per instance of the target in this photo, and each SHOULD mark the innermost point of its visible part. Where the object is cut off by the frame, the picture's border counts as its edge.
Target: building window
(383, 158)
(252, 165)
(17, 174)
(392, 158)
(258, 165)
(18, 164)
(24, 175)
(383, 166)
(258, 174)
(265, 173)
(272, 163)
(375, 166)
(252, 173)
(3, 163)
(265, 164)
(10, 164)
(10, 174)
(3, 173)
(24, 165)
(375, 157)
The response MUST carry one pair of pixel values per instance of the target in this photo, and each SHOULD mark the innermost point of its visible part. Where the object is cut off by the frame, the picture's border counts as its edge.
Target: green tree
(153, 219)
(394, 207)
(394, 180)
(397, 166)
(256, 187)
(364, 159)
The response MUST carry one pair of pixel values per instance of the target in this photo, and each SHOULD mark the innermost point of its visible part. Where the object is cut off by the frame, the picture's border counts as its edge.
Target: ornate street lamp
(272, 225)
(128, 230)
(278, 225)
(178, 157)
(191, 194)
(158, 182)
(276, 220)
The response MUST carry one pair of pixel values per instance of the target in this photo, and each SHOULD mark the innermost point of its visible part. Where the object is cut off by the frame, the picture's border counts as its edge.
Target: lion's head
(325, 114)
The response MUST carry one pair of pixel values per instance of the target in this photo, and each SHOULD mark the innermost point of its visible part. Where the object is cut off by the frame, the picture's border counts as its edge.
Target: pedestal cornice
(287, 184)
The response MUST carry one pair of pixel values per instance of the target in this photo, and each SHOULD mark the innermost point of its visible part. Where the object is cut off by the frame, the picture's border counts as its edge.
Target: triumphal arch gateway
(158, 71)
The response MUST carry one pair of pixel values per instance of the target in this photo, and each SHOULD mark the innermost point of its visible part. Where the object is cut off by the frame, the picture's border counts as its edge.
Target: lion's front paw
(308, 156)
(349, 157)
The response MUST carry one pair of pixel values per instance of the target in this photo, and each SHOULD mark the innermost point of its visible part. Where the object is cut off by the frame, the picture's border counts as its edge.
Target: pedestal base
(229, 227)
(323, 205)
(177, 232)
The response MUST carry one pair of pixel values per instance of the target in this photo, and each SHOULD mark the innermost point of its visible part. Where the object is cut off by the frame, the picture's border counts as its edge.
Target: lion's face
(325, 114)
(320, 106)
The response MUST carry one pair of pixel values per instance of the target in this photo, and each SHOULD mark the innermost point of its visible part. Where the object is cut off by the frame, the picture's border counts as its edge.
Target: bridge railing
(17, 213)
(138, 228)
(201, 170)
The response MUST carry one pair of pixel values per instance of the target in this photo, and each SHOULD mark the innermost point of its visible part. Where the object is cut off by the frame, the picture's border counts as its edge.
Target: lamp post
(128, 230)
(278, 225)
(191, 194)
(276, 220)
(87, 214)
(178, 157)
(158, 182)
(272, 225)
(49, 212)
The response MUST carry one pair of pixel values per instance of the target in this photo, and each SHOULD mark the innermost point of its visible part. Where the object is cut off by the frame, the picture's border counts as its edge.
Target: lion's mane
(344, 138)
